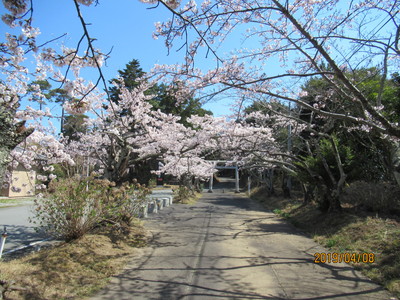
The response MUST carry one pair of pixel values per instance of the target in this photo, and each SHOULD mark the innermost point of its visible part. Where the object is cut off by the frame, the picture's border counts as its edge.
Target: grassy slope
(348, 231)
(72, 270)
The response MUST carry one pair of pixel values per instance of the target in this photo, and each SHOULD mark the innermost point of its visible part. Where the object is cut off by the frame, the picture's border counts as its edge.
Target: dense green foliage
(131, 76)
(73, 125)
(165, 101)
(333, 152)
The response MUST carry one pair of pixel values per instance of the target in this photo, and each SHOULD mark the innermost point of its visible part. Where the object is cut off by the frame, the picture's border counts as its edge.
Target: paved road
(226, 247)
(21, 231)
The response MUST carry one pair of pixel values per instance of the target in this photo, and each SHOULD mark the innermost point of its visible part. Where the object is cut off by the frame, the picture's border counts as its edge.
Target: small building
(23, 183)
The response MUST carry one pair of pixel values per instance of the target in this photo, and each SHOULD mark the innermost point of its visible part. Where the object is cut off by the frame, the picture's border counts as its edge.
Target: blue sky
(125, 26)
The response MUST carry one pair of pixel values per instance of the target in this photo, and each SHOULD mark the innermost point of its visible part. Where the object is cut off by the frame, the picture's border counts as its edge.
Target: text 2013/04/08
(347, 257)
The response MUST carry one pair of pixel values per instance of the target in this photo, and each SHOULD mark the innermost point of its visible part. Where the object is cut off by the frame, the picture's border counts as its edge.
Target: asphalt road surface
(227, 247)
(20, 231)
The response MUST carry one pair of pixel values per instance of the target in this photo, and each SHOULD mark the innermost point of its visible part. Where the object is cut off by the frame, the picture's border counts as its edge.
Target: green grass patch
(5, 201)
(281, 213)
(277, 211)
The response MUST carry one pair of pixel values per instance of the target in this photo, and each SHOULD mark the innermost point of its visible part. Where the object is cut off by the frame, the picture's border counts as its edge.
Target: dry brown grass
(192, 199)
(72, 270)
(165, 186)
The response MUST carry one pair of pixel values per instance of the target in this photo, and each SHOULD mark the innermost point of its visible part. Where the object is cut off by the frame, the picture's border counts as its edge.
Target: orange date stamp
(347, 257)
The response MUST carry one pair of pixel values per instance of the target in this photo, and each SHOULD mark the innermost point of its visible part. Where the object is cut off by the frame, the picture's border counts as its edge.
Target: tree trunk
(333, 187)
(271, 189)
(186, 180)
(285, 185)
(334, 202)
(329, 200)
(11, 134)
(395, 167)
(4, 161)
(308, 193)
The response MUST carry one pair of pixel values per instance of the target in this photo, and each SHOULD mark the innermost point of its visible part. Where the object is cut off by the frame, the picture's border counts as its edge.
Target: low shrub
(73, 207)
(376, 197)
(183, 194)
(123, 203)
(152, 182)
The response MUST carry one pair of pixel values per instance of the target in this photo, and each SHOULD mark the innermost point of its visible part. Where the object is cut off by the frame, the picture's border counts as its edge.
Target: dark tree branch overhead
(189, 23)
(281, 26)
(394, 130)
(93, 53)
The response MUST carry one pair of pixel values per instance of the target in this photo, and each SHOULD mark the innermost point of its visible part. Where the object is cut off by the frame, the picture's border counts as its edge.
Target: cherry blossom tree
(131, 131)
(285, 44)
(15, 84)
(328, 40)
(324, 39)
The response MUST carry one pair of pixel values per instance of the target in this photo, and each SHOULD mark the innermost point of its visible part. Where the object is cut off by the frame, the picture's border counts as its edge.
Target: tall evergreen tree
(131, 76)
(163, 97)
(165, 101)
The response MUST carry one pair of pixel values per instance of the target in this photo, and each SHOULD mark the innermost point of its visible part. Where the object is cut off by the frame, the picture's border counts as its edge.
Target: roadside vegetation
(186, 195)
(75, 206)
(71, 270)
(97, 222)
(367, 223)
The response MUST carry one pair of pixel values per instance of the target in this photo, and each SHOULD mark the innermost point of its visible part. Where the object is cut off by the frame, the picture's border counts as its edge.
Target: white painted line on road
(26, 246)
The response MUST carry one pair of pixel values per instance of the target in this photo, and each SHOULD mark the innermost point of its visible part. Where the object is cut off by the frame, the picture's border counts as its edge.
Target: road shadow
(175, 286)
(19, 236)
(187, 258)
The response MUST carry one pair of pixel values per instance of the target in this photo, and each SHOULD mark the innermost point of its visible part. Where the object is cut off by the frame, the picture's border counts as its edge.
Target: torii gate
(235, 167)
